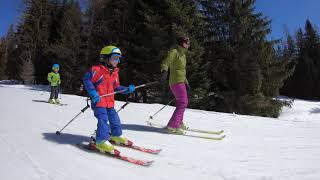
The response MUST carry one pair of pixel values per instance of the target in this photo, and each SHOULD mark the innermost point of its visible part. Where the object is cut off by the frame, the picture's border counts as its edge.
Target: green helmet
(109, 50)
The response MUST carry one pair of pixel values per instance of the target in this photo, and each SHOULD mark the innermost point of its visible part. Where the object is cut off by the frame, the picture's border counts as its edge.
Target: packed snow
(255, 148)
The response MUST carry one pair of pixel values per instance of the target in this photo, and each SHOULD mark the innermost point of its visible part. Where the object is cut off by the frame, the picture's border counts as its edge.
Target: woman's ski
(189, 129)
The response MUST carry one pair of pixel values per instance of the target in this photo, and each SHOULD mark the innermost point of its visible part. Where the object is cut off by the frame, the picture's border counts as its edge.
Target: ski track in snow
(27, 158)
(256, 148)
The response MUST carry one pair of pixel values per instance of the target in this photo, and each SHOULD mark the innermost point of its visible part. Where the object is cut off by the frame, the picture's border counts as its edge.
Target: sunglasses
(187, 42)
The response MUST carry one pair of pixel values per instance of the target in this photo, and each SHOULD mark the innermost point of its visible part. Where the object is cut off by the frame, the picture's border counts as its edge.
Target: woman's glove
(163, 76)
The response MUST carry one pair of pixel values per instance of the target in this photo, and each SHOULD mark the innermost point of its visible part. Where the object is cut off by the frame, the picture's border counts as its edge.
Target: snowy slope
(255, 148)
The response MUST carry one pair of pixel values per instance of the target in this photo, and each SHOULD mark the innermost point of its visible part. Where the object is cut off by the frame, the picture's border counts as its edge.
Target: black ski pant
(54, 92)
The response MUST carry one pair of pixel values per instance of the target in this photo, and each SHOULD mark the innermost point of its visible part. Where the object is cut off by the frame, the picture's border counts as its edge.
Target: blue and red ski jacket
(104, 81)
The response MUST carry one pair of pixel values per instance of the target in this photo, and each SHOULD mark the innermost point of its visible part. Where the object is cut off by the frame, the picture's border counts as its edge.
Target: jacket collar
(181, 50)
(116, 70)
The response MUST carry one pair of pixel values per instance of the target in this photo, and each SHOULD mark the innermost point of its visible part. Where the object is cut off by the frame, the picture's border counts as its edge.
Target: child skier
(54, 79)
(100, 80)
(176, 62)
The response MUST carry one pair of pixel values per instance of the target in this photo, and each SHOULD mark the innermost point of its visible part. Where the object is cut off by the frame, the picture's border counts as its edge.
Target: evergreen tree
(65, 47)
(304, 83)
(312, 57)
(243, 66)
(27, 69)
(24, 54)
(288, 53)
(3, 59)
(33, 38)
(10, 38)
(12, 64)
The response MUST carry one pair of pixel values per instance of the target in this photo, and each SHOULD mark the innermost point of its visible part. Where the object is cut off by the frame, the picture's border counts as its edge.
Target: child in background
(54, 79)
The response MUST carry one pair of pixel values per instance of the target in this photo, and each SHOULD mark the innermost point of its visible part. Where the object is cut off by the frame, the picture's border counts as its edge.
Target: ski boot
(183, 126)
(106, 147)
(171, 130)
(120, 140)
(51, 101)
(57, 101)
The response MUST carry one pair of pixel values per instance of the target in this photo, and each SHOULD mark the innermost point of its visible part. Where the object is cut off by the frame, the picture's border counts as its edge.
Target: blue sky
(289, 13)
(9, 14)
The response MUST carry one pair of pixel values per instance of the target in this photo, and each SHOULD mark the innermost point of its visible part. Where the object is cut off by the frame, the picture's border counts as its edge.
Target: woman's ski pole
(151, 117)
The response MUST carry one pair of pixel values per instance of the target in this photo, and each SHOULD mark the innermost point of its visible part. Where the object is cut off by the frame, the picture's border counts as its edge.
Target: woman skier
(176, 62)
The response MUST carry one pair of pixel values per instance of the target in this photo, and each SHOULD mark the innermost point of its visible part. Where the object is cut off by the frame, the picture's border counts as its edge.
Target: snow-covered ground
(256, 148)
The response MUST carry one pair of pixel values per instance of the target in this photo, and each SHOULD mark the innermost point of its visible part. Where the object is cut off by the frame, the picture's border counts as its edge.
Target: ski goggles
(113, 57)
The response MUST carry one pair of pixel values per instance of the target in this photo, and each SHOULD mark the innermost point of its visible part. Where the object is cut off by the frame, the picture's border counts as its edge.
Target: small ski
(190, 129)
(135, 147)
(91, 147)
(59, 104)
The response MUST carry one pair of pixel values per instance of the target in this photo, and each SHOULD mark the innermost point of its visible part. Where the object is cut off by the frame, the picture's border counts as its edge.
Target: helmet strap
(107, 65)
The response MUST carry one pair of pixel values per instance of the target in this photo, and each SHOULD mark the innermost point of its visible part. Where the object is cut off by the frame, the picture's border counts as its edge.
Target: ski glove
(163, 76)
(130, 89)
(126, 90)
(95, 98)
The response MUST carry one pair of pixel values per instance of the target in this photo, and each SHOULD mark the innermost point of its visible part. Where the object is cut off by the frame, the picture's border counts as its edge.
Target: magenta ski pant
(180, 93)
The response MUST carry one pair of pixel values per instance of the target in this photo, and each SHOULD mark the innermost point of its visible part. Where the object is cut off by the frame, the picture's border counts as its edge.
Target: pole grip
(137, 87)
(85, 108)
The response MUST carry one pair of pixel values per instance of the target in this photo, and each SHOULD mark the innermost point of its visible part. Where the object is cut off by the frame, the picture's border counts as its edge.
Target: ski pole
(127, 102)
(85, 108)
(151, 117)
(137, 87)
(82, 111)
(123, 106)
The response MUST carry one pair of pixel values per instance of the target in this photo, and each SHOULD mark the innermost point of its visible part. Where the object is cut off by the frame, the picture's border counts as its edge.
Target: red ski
(135, 147)
(92, 147)
(139, 148)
